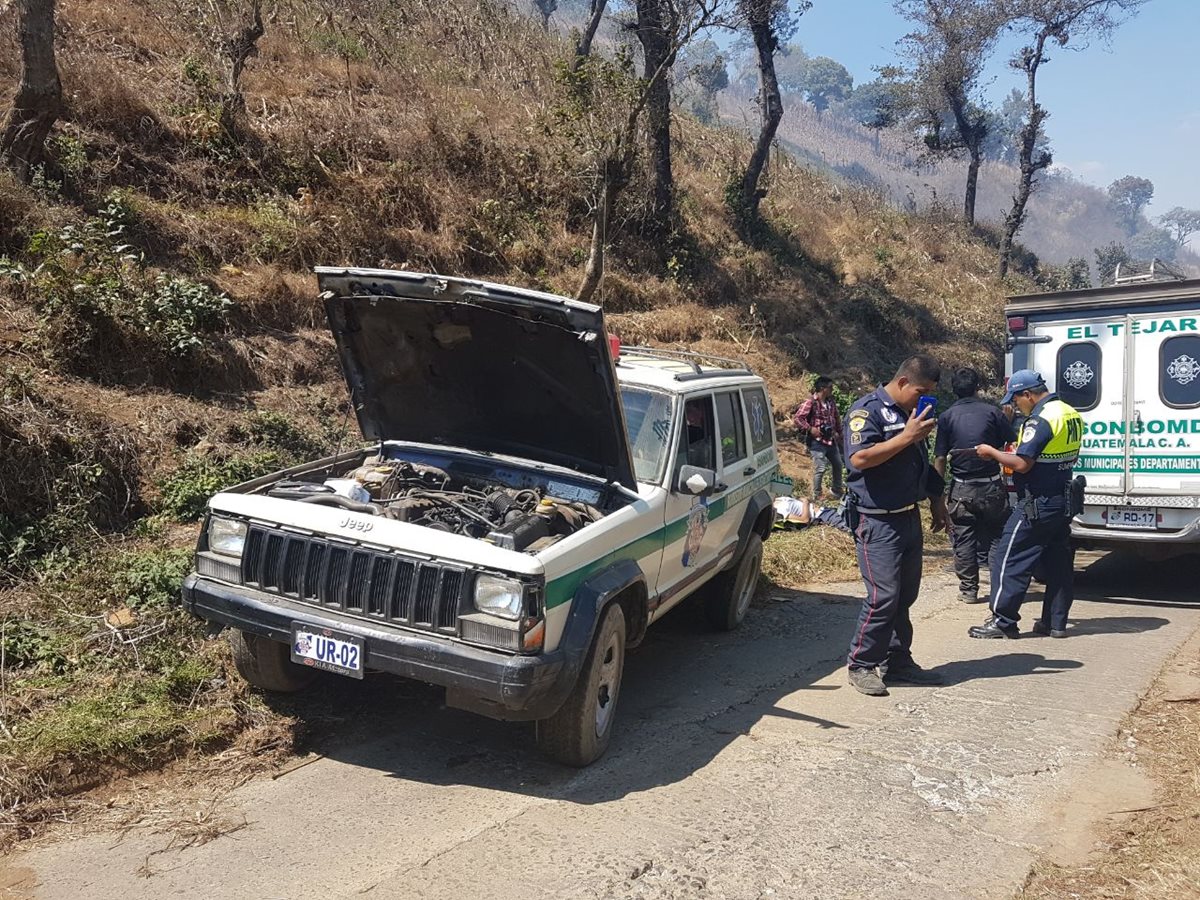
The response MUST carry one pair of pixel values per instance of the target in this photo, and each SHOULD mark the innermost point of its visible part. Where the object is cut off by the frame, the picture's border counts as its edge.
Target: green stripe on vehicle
(1143, 465)
(561, 589)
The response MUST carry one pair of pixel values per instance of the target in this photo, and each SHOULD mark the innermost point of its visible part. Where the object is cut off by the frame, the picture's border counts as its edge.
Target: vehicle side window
(731, 427)
(758, 414)
(1179, 371)
(1078, 375)
(697, 443)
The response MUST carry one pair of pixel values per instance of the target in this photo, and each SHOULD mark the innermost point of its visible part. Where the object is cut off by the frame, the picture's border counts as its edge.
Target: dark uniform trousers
(889, 557)
(977, 515)
(1045, 545)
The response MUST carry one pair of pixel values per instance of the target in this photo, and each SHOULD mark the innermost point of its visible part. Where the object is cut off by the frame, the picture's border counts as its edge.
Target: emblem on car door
(354, 524)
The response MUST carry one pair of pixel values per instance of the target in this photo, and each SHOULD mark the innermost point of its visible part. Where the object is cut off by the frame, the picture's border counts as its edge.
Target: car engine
(515, 519)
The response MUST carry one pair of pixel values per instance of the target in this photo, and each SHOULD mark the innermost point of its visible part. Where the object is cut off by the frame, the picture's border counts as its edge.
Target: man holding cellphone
(887, 448)
(978, 501)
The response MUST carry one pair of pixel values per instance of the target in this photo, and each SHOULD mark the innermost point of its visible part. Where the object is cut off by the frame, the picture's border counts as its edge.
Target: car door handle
(748, 471)
(720, 488)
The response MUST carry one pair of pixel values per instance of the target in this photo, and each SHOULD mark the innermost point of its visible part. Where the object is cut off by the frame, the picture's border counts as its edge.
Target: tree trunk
(972, 184)
(1029, 166)
(238, 49)
(771, 103)
(972, 134)
(38, 102)
(656, 50)
(593, 273)
(584, 48)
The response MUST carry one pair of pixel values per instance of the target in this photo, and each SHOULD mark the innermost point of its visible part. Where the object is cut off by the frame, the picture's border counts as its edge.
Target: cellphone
(927, 402)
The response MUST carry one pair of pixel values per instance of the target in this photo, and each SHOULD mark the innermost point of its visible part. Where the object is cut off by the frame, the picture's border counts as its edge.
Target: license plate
(328, 650)
(1132, 517)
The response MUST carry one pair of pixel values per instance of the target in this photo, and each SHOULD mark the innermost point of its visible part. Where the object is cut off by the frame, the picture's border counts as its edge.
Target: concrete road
(744, 767)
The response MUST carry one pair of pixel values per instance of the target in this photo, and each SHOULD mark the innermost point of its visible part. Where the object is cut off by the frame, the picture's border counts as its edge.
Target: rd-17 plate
(1132, 517)
(331, 651)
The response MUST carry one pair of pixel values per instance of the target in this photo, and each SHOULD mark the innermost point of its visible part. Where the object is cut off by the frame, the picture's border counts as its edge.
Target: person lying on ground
(800, 512)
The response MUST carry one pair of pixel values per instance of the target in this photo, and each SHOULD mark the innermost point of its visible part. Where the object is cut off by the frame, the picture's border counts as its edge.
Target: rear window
(1079, 375)
(731, 429)
(758, 415)
(1179, 371)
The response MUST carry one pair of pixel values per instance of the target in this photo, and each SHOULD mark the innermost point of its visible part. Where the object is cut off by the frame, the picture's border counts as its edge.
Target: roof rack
(1157, 271)
(694, 360)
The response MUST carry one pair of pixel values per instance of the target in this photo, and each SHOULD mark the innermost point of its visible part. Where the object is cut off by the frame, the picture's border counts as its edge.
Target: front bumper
(492, 683)
(1099, 536)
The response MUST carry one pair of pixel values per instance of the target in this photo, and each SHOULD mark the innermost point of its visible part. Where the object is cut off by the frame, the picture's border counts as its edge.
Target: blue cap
(1024, 380)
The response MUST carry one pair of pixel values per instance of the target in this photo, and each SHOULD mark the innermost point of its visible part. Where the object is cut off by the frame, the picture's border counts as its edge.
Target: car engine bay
(525, 518)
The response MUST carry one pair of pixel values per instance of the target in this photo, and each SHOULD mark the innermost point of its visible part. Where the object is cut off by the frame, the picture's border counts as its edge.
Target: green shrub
(150, 580)
(30, 645)
(185, 493)
(273, 431)
(97, 302)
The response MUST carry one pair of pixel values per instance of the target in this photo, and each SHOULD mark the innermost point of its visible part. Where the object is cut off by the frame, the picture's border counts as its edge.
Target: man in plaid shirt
(818, 422)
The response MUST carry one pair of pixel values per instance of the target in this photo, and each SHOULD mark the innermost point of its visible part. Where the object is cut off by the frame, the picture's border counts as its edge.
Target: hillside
(161, 337)
(1066, 217)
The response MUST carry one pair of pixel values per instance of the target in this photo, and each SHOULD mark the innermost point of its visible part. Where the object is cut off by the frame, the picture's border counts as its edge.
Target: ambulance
(1127, 356)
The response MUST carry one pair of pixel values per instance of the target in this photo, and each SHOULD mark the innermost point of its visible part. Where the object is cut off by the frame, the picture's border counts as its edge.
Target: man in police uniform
(978, 501)
(1039, 528)
(889, 474)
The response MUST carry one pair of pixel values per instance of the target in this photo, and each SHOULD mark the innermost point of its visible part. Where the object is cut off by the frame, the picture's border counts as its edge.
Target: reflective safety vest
(1066, 427)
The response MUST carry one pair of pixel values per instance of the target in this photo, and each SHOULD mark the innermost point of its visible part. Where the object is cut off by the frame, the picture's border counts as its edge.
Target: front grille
(353, 580)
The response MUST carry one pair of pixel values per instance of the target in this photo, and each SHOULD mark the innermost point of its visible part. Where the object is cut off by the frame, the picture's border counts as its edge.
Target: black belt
(977, 480)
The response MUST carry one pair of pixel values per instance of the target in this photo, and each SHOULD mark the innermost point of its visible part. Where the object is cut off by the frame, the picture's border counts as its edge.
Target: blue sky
(1129, 108)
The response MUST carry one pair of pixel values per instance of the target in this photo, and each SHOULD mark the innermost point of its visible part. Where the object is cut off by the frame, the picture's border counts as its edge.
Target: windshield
(648, 420)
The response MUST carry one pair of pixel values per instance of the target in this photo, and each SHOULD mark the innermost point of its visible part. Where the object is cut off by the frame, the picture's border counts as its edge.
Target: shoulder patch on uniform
(855, 435)
(858, 413)
(1028, 433)
(857, 424)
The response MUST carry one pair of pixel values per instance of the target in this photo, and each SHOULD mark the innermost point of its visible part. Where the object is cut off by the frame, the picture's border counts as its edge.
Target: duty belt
(885, 512)
(976, 480)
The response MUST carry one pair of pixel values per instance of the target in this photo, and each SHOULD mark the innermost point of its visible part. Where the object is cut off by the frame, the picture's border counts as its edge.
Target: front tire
(578, 734)
(267, 664)
(729, 594)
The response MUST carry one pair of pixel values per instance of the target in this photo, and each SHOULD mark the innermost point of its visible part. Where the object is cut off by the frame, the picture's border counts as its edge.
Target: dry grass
(792, 559)
(1152, 854)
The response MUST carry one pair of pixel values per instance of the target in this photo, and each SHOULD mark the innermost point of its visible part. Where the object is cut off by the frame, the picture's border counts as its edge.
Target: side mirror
(696, 481)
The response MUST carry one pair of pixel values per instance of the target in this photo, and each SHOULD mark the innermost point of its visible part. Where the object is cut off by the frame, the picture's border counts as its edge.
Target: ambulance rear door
(1082, 358)
(1164, 406)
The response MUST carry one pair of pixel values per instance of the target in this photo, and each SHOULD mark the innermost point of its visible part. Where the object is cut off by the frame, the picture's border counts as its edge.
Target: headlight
(502, 597)
(226, 536)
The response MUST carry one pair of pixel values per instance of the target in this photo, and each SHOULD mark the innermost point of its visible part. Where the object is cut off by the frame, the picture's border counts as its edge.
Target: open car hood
(490, 368)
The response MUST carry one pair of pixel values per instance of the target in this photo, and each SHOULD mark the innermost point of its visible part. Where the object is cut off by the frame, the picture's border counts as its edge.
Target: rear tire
(578, 734)
(267, 664)
(729, 594)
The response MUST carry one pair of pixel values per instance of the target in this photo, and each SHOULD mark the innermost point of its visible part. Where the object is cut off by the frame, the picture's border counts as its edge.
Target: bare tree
(1181, 224)
(237, 49)
(769, 22)
(583, 48)
(1049, 22)
(39, 98)
(947, 54)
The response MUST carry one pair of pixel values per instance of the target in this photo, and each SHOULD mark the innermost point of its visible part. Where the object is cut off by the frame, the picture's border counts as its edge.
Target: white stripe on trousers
(999, 585)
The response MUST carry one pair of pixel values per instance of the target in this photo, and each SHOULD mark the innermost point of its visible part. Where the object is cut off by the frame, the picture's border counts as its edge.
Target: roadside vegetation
(1153, 851)
(160, 336)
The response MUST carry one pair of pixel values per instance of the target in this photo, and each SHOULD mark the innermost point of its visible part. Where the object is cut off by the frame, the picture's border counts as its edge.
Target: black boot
(993, 630)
